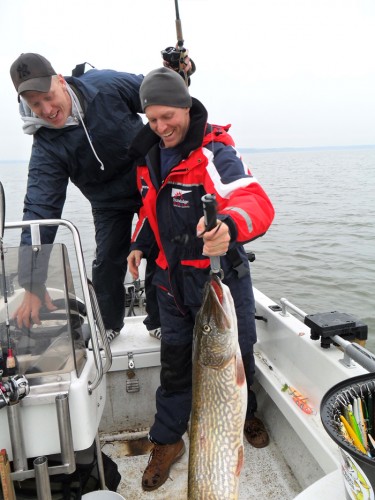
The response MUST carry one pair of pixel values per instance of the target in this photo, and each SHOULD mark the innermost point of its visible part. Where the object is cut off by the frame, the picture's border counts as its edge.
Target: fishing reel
(174, 56)
(176, 61)
(13, 390)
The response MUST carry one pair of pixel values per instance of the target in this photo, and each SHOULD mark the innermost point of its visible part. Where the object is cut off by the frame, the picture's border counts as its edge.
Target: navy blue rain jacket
(110, 102)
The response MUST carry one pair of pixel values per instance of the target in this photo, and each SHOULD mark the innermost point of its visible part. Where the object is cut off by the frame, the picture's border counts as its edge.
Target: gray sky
(284, 73)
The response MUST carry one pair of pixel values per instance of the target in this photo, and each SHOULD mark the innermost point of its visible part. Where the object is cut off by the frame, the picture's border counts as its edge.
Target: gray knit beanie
(164, 87)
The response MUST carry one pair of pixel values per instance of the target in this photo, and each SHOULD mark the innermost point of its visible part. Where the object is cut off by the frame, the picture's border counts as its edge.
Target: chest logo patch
(179, 198)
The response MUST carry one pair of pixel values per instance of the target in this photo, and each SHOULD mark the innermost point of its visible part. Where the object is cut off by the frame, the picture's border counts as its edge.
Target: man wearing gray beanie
(181, 157)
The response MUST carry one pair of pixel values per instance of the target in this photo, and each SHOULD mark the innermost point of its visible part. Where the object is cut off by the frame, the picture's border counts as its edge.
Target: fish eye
(206, 328)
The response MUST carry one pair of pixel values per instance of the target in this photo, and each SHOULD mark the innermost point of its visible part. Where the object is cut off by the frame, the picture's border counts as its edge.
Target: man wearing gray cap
(82, 127)
(181, 157)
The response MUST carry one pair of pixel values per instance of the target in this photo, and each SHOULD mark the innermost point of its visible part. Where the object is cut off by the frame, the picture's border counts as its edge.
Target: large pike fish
(219, 399)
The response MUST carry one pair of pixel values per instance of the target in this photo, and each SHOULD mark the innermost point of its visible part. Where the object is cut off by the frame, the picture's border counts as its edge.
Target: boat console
(52, 387)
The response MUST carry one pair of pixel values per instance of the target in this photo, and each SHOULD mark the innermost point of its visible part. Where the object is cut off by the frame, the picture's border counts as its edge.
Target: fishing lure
(370, 411)
(362, 424)
(343, 431)
(299, 399)
(353, 435)
(354, 424)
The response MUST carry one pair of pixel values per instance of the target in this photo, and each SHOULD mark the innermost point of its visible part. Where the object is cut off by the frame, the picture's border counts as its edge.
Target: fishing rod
(176, 56)
(180, 38)
(10, 361)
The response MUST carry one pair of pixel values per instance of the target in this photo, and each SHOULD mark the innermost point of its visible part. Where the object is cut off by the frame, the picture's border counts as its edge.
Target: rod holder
(16, 437)
(65, 432)
(43, 485)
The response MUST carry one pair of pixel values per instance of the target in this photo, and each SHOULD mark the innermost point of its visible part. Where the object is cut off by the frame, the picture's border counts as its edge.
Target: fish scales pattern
(216, 427)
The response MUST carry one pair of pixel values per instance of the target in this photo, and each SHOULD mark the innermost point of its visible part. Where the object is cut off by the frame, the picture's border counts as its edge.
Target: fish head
(215, 331)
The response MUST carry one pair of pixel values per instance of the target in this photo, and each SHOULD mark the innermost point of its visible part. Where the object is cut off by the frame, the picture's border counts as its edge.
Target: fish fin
(240, 371)
(239, 461)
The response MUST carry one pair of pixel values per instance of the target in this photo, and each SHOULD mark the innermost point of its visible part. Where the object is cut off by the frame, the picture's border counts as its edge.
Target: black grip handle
(209, 210)
(2, 210)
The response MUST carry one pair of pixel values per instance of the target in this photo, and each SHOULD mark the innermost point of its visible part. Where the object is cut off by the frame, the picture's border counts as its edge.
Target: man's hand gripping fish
(219, 399)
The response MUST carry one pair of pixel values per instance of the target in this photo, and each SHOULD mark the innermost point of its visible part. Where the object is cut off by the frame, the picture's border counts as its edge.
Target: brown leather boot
(162, 457)
(256, 433)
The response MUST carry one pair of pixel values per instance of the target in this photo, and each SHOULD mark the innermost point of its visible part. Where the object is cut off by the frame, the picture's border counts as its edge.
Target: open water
(320, 251)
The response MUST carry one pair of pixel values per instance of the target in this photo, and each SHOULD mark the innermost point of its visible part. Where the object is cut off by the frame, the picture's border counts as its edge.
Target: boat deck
(300, 455)
(265, 473)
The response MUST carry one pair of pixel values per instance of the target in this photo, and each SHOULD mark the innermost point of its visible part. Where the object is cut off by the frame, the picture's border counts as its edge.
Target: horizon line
(264, 149)
(305, 148)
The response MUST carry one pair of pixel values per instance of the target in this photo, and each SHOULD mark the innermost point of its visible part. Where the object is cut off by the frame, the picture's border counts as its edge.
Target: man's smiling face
(169, 123)
(54, 106)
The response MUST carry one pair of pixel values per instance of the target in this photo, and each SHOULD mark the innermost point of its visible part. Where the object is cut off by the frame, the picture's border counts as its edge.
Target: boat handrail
(87, 290)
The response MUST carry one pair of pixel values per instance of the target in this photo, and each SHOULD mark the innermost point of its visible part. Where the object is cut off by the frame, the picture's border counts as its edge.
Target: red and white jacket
(208, 163)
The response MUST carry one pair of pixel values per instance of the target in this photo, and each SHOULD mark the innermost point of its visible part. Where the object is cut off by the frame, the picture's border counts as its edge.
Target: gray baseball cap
(31, 72)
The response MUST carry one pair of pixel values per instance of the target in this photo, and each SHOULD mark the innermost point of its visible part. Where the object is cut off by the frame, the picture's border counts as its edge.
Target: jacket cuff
(232, 226)
(37, 289)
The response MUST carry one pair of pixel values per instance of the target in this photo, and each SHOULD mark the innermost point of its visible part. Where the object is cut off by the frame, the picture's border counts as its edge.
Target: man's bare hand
(27, 313)
(134, 261)
(216, 241)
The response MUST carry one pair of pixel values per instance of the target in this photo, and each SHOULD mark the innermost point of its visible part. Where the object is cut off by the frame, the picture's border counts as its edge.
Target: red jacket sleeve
(238, 193)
